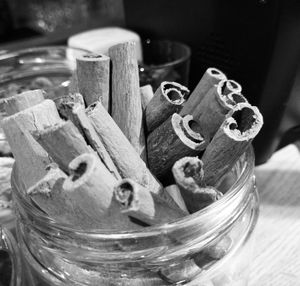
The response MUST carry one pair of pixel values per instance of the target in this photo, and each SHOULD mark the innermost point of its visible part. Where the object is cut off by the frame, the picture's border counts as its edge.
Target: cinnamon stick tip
(188, 167)
(79, 168)
(174, 92)
(216, 73)
(92, 57)
(243, 122)
(124, 192)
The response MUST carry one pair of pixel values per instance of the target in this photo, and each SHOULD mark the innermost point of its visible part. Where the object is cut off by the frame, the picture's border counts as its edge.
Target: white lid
(101, 39)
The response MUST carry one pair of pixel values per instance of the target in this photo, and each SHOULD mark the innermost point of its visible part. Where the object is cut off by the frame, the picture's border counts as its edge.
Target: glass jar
(184, 252)
(45, 68)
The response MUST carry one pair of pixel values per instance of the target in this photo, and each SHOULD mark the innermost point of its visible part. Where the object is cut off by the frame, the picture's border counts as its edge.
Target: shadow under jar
(168, 254)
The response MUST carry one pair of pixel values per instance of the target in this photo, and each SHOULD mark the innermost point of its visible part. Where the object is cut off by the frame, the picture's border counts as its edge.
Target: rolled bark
(22, 101)
(214, 107)
(126, 100)
(63, 142)
(124, 156)
(168, 99)
(211, 77)
(138, 202)
(175, 138)
(91, 186)
(146, 95)
(93, 78)
(232, 86)
(48, 196)
(31, 158)
(231, 140)
(65, 105)
(93, 139)
(188, 174)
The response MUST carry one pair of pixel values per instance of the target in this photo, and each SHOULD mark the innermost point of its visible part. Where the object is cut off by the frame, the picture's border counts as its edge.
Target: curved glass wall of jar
(210, 247)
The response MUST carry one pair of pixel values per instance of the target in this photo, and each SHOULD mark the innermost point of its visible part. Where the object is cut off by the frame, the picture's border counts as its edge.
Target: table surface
(277, 251)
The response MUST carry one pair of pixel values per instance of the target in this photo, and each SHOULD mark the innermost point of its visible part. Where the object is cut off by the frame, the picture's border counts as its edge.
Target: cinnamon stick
(63, 142)
(126, 99)
(93, 139)
(175, 138)
(231, 140)
(168, 99)
(22, 101)
(212, 110)
(211, 77)
(124, 156)
(93, 78)
(188, 174)
(73, 83)
(232, 86)
(47, 195)
(146, 95)
(65, 105)
(178, 272)
(30, 157)
(138, 202)
(209, 255)
(90, 187)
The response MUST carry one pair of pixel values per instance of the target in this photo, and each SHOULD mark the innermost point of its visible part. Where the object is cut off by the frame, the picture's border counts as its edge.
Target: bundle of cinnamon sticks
(127, 157)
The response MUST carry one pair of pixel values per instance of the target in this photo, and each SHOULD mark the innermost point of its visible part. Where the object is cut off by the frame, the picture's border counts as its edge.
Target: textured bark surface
(63, 142)
(230, 142)
(138, 202)
(212, 110)
(170, 142)
(167, 99)
(124, 156)
(89, 190)
(126, 98)
(30, 157)
(93, 139)
(188, 174)
(93, 78)
(211, 77)
(22, 101)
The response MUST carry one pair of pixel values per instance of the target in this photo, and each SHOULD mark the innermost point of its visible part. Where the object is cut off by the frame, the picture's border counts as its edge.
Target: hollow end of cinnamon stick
(244, 122)
(22, 101)
(79, 168)
(125, 193)
(216, 73)
(189, 131)
(138, 202)
(233, 86)
(234, 98)
(174, 92)
(188, 172)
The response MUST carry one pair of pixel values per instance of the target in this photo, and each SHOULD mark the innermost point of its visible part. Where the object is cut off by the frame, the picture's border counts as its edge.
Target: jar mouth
(227, 206)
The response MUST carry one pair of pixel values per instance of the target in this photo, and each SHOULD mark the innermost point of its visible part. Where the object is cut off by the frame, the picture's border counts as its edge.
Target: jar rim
(15, 53)
(192, 219)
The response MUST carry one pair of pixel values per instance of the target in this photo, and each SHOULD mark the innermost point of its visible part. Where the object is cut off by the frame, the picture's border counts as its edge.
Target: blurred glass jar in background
(49, 16)
(164, 60)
